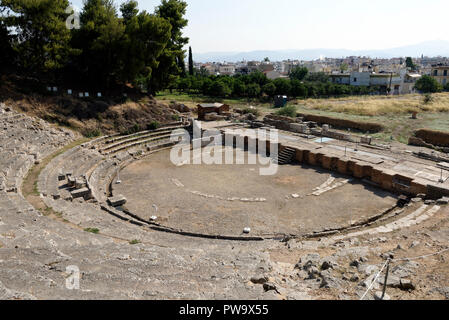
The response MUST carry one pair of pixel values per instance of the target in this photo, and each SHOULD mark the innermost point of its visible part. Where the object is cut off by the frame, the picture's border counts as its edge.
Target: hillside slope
(90, 116)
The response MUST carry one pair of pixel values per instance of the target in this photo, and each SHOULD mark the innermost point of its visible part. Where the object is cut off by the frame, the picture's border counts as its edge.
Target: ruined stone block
(387, 180)
(418, 187)
(376, 175)
(81, 193)
(326, 162)
(342, 166)
(358, 170)
(312, 158)
(350, 167)
(366, 171)
(366, 140)
(435, 191)
(117, 201)
(298, 127)
(71, 181)
(80, 183)
(301, 155)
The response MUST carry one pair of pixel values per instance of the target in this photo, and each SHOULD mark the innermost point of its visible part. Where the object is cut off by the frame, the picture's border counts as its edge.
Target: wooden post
(386, 279)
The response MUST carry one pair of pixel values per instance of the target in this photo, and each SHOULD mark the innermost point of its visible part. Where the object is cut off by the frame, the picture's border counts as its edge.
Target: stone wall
(343, 123)
(279, 122)
(432, 137)
(383, 178)
(386, 179)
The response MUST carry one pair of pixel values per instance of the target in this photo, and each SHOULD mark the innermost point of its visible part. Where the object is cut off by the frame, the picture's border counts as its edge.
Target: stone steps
(285, 156)
(134, 139)
(117, 138)
(100, 178)
(48, 179)
(16, 170)
(77, 161)
(419, 215)
(88, 163)
(36, 249)
(12, 118)
(162, 139)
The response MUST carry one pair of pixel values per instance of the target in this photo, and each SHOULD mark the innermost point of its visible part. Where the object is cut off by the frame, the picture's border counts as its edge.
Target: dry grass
(379, 105)
(393, 112)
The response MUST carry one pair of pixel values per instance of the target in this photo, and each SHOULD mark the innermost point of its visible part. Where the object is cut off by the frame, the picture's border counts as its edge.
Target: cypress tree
(190, 61)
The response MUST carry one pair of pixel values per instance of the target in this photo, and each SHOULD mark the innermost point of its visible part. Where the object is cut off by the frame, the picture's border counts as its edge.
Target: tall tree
(42, 36)
(6, 52)
(269, 89)
(344, 67)
(299, 73)
(410, 64)
(258, 77)
(129, 10)
(298, 89)
(146, 38)
(283, 86)
(190, 61)
(100, 39)
(171, 63)
(253, 90)
(317, 77)
(427, 84)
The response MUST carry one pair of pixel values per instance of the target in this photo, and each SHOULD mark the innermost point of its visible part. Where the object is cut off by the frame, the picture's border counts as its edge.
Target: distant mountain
(429, 48)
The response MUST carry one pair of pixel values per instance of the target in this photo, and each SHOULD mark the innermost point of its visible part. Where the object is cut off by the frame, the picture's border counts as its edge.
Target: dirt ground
(196, 198)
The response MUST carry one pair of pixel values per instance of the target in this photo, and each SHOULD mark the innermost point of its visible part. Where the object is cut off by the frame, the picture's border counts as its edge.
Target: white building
(227, 70)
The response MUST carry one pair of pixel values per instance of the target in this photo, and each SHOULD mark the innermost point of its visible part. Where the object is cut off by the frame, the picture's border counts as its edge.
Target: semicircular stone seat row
(98, 161)
(37, 250)
(23, 142)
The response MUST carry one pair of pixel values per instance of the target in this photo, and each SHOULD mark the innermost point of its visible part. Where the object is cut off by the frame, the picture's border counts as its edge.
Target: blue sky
(247, 25)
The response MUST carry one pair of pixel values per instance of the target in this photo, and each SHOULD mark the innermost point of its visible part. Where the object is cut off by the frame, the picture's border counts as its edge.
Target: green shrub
(428, 84)
(287, 111)
(253, 111)
(92, 230)
(446, 87)
(92, 133)
(428, 98)
(153, 125)
(135, 128)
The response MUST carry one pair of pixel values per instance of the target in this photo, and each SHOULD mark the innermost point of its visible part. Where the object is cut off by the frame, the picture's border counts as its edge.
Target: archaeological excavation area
(226, 199)
(137, 226)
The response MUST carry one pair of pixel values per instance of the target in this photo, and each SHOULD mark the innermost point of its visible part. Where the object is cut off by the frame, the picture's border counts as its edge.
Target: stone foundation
(386, 179)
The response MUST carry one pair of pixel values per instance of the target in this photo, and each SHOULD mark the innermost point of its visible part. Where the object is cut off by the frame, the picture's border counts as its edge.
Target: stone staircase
(118, 144)
(286, 156)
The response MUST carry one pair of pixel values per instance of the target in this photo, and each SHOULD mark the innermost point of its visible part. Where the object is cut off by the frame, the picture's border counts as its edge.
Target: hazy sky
(247, 25)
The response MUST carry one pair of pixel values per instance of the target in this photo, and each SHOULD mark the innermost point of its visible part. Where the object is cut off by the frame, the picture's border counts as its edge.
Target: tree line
(112, 46)
(300, 84)
(428, 84)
